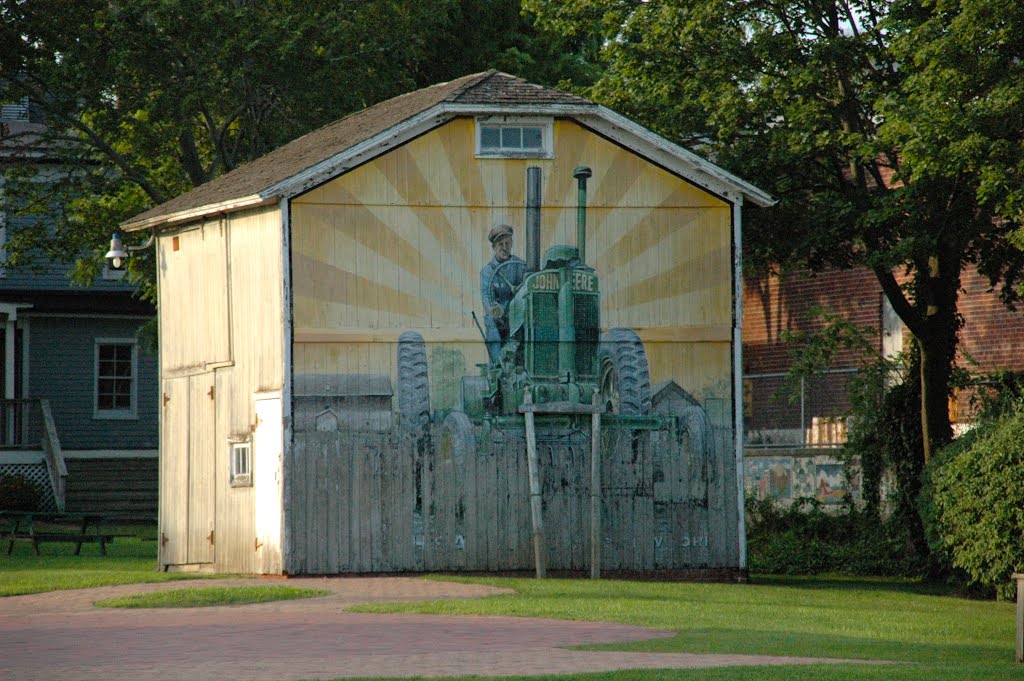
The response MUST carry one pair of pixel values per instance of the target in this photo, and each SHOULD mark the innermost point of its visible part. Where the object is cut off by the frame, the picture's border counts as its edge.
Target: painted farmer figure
(498, 280)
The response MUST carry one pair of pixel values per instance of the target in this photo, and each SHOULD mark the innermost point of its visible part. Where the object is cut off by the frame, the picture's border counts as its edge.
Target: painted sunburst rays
(399, 242)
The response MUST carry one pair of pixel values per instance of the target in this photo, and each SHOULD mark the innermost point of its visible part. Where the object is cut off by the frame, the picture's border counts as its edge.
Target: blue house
(79, 409)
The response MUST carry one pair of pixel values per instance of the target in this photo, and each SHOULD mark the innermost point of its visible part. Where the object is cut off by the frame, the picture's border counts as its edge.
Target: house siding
(62, 369)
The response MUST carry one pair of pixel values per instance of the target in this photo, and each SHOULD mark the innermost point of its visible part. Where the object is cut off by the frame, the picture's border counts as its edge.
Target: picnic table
(74, 528)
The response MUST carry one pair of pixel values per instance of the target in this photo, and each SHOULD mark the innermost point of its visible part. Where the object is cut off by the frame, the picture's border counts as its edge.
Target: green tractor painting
(554, 394)
(546, 350)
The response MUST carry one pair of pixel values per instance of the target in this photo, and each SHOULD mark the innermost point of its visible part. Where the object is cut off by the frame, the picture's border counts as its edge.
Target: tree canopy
(144, 100)
(889, 131)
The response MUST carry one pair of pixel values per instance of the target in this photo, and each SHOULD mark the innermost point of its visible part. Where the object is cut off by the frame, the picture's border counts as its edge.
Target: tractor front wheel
(625, 385)
(413, 390)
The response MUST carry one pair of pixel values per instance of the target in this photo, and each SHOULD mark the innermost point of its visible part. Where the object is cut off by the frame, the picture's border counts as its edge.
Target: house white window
(240, 457)
(508, 137)
(116, 384)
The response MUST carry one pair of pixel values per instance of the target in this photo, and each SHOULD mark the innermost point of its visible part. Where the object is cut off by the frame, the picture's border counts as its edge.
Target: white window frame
(116, 414)
(545, 123)
(240, 461)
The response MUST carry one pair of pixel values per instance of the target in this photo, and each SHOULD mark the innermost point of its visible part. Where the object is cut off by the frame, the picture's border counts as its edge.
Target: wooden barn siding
(194, 301)
(257, 341)
(241, 294)
(663, 507)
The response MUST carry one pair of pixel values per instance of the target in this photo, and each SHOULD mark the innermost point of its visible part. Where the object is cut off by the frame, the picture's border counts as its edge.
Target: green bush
(804, 539)
(18, 493)
(975, 502)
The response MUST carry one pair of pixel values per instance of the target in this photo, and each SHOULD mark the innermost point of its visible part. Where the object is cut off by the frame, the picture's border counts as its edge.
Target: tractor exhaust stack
(533, 199)
(581, 174)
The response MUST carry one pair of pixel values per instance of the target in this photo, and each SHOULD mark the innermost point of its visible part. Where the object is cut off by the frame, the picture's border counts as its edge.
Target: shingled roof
(489, 87)
(294, 167)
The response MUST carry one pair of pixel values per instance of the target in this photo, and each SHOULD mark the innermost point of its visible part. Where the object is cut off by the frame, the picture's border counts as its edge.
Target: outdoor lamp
(116, 255)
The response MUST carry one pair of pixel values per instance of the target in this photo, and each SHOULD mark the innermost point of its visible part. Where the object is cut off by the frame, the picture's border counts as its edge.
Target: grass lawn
(129, 560)
(934, 636)
(208, 596)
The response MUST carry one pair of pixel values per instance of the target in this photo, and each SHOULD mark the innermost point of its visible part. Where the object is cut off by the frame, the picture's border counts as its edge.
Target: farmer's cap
(499, 231)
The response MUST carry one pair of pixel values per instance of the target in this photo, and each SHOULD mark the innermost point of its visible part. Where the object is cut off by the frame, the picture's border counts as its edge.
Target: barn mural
(464, 328)
(436, 292)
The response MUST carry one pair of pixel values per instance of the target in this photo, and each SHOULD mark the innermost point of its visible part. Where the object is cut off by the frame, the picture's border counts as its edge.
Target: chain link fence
(810, 412)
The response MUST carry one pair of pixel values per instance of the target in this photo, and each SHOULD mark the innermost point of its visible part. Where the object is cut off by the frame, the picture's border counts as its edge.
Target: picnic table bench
(73, 528)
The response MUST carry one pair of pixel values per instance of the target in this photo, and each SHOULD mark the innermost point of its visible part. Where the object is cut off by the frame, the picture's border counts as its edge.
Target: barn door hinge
(258, 543)
(167, 398)
(163, 539)
(213, 391)
(209, 538)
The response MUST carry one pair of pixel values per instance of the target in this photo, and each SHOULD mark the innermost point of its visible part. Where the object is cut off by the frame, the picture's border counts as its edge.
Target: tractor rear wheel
(413, 390)
(625, 380)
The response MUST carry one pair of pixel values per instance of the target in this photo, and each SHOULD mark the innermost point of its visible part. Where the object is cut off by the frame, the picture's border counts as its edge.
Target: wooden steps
(112, 486)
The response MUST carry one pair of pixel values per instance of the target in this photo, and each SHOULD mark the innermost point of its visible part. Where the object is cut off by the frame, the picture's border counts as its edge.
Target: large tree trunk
(934, 323)
(935, 370)
(937, 342)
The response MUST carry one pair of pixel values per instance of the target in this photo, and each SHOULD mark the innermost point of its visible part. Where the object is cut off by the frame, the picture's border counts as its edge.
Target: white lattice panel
(37, 475)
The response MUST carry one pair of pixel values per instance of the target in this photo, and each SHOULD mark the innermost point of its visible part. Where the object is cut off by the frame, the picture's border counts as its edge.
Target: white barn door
(267, 471)
(174, 436)
(187, 471)
(201, 468)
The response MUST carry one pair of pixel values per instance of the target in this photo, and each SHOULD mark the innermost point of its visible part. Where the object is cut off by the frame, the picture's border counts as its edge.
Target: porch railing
(28, 425)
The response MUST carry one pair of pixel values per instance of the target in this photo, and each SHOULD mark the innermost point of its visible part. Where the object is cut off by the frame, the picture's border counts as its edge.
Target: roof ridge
(472, 81)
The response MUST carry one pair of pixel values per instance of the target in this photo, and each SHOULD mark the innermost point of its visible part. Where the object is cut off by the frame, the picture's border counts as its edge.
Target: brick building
(789, 427)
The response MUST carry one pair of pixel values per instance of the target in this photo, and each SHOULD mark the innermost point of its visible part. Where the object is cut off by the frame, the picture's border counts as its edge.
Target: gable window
(240, 456)
(116, 378)
(506, 137)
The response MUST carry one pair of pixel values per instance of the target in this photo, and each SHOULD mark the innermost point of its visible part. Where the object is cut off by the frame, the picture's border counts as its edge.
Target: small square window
(490, 138)
(533, 138)
(240, 455)
(514, 138)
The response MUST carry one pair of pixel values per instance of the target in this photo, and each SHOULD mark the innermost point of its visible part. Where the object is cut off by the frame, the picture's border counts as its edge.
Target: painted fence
(374, 502)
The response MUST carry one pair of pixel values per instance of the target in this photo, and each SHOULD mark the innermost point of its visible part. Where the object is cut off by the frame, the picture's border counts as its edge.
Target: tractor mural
(552, 359)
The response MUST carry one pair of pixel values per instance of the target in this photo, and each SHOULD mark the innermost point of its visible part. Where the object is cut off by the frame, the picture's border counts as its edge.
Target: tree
(144, 100)
(830, 104)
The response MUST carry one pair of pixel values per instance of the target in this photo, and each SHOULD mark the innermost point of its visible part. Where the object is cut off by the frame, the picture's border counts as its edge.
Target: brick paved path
(60, 635)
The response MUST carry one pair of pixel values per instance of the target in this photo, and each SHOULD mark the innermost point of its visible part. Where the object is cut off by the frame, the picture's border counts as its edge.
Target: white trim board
(602, 120)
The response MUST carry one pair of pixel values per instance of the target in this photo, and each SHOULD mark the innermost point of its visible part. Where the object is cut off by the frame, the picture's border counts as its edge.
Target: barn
(483, 326)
